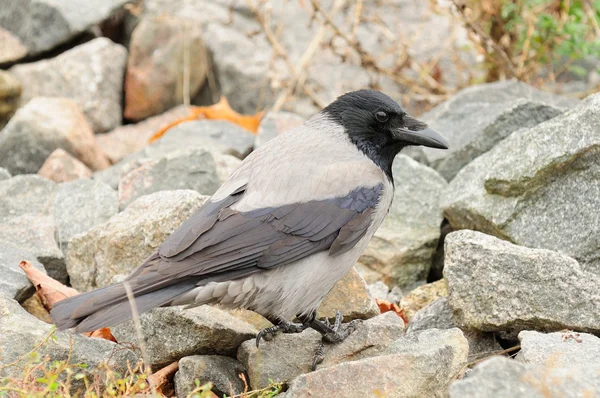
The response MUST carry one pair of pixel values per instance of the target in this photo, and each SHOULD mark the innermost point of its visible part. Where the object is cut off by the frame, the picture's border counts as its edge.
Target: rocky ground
(491, 250)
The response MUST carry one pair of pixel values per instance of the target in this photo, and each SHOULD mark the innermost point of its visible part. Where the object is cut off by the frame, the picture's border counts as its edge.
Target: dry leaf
(219, 111)
(50, 291)
(161, 381)
(386, 306)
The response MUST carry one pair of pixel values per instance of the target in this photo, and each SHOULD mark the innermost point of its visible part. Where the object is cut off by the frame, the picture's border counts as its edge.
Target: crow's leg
(280, 326)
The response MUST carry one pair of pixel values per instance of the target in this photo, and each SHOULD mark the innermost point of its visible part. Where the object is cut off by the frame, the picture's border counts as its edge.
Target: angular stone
(10, 94)
(60, 166)
(559, 349)
(14, 284)
(4, 174)
(402, 249)
(41, 25)
(287, 356)
(422, 296)
(351, 297)
(123, 242)
(21, 332)
(222, 371)
(193, 169)
(130, 138)
(81, 205)
(275, 123)
(226, 165)
(43, 125)
(154, 81)
(11, 48)
(379, 290)
(424, 369)
(500, 377)
(495, 285)
(477, 118)
(27, 224)
(90, 74)
(173, 333)
(538, 187)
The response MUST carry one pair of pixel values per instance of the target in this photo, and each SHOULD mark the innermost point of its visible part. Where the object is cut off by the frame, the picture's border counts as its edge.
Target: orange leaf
(50, 291)
(222, 111)
(386, 306)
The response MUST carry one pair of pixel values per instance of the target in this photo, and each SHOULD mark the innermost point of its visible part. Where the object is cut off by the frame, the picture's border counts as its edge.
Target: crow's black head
(380, 127)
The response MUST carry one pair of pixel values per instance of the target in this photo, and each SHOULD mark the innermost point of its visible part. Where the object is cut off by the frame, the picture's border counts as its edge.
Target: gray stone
(22, 332)
(41, 25)
(14, 284)
(495, 285)
(424, 369)
(90, 74)
(379, 290)
(81, 205)
(226, 165)
(10, 95)
(402, 249)
(27, 223)
(500, 377)
(128, 238)
(275, 123)
(173, 333)
(222, 371)
(473, 125)
(287, 356)
(11, 48)
(559, 349)
(4, 174)
(61, 166)
(193, 169)
(538, 187)
(43, 125)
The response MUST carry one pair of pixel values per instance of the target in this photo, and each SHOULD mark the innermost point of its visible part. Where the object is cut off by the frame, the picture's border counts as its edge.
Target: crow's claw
(319, 355)
(334, 334)
(283, 327)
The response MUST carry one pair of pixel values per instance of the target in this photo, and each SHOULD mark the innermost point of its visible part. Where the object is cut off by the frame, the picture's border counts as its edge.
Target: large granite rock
(422, 296)
(27, 224)
(61, 166)
(559, 349)
(81, 205)
(41, 25)
(11, 48)
(193, 169)
(538, 187)
(477, 118)
(223, 372)
(4, 174)
(43, 125)
(154, 81)
(173, 333)
(402, 249)
(423, 367)
(22, 332)
(500, 377)
(90, 74)
(14, 284)
(10, 95)
(123, 242)
(495, 285)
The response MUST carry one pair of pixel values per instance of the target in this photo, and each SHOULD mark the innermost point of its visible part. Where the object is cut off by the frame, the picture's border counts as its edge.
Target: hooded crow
(288, 224)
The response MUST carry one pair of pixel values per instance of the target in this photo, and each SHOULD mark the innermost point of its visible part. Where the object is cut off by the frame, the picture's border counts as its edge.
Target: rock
(81, 205)
(183, 169)
(60, 166)
(10, 94)
(90, 74)
(379, 290)
(287, 356)
(173, 333)
(226, 165)
(501, 377)
(27, 224)
(130, 138)
(423, 370)
(14, 284)
(402, 249)
(422, 296)
(538, 187)
(222, 371)
(4, 174)
(251, 317)
(438, 315)
(154, 81)
(11, 48)
(275, 123)
(477, 118)
(35, 307)
(41, 25)
(495, 285)
(21, 332)
(43, 125)
(559, 350)
(128, 238)
(351, 297)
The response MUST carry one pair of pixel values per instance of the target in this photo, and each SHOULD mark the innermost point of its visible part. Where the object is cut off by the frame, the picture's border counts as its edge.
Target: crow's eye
(381, 117)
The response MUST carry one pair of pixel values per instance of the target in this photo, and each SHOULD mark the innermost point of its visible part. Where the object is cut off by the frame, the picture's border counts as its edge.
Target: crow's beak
(426, 137)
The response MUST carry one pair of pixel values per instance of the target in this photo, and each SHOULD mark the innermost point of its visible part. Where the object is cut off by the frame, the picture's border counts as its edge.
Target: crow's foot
(283, 327)
(331, 335)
